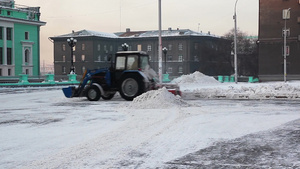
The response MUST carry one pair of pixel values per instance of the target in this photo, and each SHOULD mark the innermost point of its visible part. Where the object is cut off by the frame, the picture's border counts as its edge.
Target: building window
(27, 71)
(27, 54)
(99, 58)
(170, 70)
(64, 58)
(26, 35)
(170, 47)
(120, 48)
(111, 48)
(149, 48)
(9, 72)
(169, 57)
(180, 69)
(196, 59)
(9, 56)
(83, 46)
(180, 58)
(196, 46)
(83, 58)
(83, 69)
(180, 46)
(0, 72)
(1, 33)
(8, 33)
(105, 48)
(139, 47)
(99, 47)
(63, 69)
(64, 47)
(1, 55)
(8, 13)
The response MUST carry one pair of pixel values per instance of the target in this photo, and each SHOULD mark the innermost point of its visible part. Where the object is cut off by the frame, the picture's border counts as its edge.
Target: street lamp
(284, 42)
(125, 46)
(72, 42)
(235, 44)
(165, 50)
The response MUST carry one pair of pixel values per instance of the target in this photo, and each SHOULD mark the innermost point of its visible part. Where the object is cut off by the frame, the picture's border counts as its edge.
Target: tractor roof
(131, 52)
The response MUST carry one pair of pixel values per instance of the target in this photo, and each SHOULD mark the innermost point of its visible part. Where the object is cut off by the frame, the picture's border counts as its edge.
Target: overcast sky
(63, 16)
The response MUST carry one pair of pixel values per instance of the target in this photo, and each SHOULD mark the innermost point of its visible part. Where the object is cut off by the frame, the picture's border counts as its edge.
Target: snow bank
(157, 99)
(274, 90)
(195, 78)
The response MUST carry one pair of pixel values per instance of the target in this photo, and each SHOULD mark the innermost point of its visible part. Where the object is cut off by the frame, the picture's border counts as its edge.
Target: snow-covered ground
(40, 128)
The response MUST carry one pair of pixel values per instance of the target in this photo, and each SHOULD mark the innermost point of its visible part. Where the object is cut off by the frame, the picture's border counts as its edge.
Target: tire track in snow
(106, 151)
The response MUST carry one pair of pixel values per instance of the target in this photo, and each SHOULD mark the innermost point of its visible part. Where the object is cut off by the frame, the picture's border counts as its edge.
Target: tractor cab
(130, 62)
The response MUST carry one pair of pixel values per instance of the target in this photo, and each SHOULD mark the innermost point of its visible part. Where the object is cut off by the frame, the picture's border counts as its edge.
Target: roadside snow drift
(198, 85)
(157, 99)
(195, 78)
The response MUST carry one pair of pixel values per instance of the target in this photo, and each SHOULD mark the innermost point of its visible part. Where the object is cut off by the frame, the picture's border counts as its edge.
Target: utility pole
(235, 44)
(284, 43)
(159, 43)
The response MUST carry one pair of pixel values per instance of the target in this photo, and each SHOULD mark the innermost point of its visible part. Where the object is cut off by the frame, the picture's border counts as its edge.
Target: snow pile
(195, 78)
(248, 91)
(157, 99)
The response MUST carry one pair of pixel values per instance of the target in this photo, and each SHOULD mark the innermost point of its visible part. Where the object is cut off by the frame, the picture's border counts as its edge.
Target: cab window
(120, 63)
(132, 62)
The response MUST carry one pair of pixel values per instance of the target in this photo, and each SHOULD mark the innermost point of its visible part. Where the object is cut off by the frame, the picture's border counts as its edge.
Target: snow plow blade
(172, 88)
(68, 91)
(175, 91)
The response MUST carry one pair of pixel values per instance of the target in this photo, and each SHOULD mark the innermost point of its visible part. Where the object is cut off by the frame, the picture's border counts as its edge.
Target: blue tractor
(129, 74)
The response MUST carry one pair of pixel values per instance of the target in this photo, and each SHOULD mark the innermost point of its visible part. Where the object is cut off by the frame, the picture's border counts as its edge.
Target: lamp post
(72, 42)
(125, 46)
(284, 43)
(235, 44)
(165, 50)
(159, 44)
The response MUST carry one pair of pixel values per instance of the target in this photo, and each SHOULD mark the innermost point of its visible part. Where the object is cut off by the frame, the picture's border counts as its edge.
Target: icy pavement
(276, 148)
(40, 128)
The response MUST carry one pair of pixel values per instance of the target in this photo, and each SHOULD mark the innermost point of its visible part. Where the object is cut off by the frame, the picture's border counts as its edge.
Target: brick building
(271, 26)
(188, 51)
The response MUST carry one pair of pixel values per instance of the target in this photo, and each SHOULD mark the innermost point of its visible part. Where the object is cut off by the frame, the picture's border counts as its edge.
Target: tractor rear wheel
(131, 86)
(93, 93)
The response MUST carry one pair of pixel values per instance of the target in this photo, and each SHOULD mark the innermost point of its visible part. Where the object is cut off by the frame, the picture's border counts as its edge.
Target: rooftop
(85, 33)
(11, 5)
(165, 33)
(136, 34)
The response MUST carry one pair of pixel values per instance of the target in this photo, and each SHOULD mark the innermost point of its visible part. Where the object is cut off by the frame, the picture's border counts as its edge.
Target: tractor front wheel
(93, 93)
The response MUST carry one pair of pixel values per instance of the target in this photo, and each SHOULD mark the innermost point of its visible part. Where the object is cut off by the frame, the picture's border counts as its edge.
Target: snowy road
(39, 128)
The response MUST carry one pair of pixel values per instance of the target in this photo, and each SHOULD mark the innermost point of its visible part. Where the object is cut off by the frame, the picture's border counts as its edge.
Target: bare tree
(245, 45)
(247, 52)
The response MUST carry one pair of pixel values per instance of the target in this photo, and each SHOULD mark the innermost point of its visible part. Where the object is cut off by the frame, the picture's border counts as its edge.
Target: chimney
(127, 30)
(170, 29)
